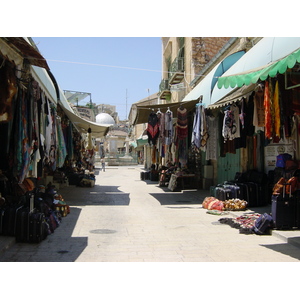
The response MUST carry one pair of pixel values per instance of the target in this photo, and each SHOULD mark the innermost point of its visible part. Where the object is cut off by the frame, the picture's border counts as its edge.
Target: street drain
(63, 251)
(103, 231)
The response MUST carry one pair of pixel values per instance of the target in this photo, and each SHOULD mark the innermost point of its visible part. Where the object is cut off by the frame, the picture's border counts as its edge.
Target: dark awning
(27, 51)
(143, 112)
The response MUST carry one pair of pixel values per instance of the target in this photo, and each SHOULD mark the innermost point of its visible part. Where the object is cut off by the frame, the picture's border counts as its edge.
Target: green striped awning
(261, 73)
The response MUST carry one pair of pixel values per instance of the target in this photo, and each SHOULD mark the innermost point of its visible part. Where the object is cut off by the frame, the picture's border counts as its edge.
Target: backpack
(263, 224)
(281, 159)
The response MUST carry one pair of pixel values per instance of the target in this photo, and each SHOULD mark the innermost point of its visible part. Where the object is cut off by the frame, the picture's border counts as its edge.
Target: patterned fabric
(268, 117)
(152, 128)
(182, 123)
(168, 127)
(276, 111)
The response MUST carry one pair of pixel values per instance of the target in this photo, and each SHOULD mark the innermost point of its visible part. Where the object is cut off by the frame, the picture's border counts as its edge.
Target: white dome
(105, 119)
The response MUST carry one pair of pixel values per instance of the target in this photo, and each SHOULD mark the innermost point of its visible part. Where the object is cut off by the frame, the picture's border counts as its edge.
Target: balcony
(164, 89)
(177, 70)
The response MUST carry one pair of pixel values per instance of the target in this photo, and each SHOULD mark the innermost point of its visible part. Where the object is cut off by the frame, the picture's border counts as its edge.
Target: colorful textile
(152, 128)
(277, 123)
(182, 123)
(168, 127)
(268, 117)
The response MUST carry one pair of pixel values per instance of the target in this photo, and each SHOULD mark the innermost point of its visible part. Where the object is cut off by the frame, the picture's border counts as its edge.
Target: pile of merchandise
(250, 223)
(212, 203)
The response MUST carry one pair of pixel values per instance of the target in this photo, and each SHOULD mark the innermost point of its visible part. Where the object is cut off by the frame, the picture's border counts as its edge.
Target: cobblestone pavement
(125, 219)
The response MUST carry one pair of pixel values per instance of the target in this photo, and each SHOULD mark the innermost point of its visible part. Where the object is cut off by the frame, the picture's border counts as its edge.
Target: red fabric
(268, 116)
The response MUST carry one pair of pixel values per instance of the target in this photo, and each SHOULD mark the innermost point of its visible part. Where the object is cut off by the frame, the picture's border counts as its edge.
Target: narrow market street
(125, 219)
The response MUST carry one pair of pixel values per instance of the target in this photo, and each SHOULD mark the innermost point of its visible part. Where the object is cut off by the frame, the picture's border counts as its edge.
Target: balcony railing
(164, 89)
(177, 70)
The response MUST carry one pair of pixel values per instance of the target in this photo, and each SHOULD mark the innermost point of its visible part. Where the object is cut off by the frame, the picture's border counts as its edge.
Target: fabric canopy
(22, 46)
(268, 57)
(143, 112)
(205, 87)
(253, 76)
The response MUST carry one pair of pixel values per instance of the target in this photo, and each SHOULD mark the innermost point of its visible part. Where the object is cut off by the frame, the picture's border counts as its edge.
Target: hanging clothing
(152, 128)
(161, 137)
(182, 123)
(268, 117)
(229, 126)
(203, 129)
(212, 146)
(277, 123)
(236, 115)
(196, 134)
(259, 109)
(168, 127)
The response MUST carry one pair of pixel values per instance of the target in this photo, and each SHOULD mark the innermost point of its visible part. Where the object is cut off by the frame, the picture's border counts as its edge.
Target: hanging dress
(182, 123)
(152, 128)
(168, 127)
(268, 117)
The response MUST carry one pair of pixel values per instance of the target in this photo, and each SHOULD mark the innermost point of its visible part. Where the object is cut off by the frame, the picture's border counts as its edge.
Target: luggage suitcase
(21, 227)
(244, 192)
(284, 210)
(36, 227)
(252, 194)
(222, 193)
(235, 190)
(8, 216)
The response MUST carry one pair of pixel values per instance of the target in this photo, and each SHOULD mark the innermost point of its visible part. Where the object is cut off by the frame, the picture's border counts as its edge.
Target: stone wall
(204, 49)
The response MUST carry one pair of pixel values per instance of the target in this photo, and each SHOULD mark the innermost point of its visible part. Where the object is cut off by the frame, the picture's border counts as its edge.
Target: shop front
(41, 138)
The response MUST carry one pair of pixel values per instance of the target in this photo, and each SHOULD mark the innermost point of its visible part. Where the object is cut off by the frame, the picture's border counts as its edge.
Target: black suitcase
(252, 194)
(235, 191)
(22, 222)
(284, 211)
(8, 216)
(222, 193)
(36, 227)
(244, 192)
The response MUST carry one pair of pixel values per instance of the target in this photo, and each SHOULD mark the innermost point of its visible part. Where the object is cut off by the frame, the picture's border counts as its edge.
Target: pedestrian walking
(103, 163)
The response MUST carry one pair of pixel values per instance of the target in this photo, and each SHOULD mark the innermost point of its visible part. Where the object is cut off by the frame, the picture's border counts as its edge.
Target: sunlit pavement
(126, 219)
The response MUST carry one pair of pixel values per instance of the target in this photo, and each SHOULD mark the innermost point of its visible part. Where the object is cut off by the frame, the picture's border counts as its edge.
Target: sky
(114, 70)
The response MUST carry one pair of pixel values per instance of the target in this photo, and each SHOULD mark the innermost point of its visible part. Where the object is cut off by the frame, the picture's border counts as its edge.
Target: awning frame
(143, 111)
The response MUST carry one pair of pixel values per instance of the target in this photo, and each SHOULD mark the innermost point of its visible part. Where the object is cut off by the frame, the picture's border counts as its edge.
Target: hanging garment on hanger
(268, 117)
(182, 123)
(168, 127)
(236, 115)
(203, 129)
(259, 109)
(212, 145)
(277, 123)
(196, 135)
(152, 128)
(229, 126)
(161, 124)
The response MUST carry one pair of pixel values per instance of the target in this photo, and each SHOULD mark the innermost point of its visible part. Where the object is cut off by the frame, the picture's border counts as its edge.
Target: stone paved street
(124, 219)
